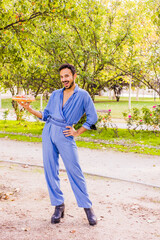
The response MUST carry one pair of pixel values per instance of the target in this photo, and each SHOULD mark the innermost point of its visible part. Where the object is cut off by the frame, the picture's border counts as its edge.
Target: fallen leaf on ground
(24, 229)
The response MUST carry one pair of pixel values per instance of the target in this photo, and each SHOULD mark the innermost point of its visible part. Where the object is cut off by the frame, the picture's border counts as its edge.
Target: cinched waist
(58, 123)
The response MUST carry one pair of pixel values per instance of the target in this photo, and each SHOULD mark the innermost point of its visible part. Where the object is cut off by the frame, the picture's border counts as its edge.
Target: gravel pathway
(126, 166)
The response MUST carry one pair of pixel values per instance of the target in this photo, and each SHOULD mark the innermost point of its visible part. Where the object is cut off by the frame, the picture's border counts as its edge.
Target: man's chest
(66, 96)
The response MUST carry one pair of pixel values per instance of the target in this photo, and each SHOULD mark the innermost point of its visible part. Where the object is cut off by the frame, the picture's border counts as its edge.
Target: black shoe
(58, 213)
(91, 216)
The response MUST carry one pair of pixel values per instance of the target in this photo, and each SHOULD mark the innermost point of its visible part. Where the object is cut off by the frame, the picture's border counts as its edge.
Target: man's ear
(75, 75)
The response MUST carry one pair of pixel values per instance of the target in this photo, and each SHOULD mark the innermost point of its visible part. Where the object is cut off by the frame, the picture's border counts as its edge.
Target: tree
(141, 52)
(117, 86)
(45, 36)
(102, 40)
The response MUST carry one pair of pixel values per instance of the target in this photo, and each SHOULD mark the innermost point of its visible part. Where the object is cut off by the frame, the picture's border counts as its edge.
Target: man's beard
(72, 83)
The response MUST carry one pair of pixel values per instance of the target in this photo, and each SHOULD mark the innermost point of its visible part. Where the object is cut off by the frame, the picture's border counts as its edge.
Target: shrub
(105, 121)
(146, 119)
(5, 114)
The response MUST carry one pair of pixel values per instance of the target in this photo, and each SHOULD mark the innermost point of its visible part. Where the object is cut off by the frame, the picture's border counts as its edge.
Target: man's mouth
(66, 83)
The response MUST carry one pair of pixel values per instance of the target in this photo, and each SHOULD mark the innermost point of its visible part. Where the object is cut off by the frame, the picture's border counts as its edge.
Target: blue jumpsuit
(54, 142)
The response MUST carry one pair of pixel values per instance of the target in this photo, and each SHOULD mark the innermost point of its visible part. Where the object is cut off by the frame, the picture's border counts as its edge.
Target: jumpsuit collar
(75, 89)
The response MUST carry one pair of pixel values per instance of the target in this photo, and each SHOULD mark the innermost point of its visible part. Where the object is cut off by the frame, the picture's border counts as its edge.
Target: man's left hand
(70, 132)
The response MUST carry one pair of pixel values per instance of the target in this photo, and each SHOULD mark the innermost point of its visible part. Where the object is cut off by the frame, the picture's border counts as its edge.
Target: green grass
(117, 108)
(125, 142)
(20, 138)
(135, 149)
(101, 103)
(146, 141)
(141, 137)
(34, 128)
(92, 145)
(105, 98)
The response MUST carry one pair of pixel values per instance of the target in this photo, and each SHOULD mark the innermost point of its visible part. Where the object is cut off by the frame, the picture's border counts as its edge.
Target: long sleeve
(90, 112)
(45, 113)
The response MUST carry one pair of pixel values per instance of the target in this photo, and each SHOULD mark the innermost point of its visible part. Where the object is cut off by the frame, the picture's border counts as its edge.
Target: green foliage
(117, 86)
(5, 114)
(147, 119)
(147, 116)
(81, 122)
(152, 117)
(105, 121)
(105, 40)
(38, 36)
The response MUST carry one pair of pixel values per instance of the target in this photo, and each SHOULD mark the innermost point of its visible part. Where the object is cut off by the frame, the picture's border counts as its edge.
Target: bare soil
(125, 211)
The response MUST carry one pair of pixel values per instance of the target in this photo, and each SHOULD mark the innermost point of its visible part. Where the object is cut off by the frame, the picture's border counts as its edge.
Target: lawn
(101, 103)
(117, 108)
(145, 142)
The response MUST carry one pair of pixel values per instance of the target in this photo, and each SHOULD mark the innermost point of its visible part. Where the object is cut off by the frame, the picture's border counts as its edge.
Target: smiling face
(67, 78)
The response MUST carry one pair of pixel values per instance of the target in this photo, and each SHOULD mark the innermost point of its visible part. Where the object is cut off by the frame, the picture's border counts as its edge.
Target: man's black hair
(69, 66)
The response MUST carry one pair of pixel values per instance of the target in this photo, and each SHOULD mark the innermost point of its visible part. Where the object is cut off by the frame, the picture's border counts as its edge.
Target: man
(65, 108)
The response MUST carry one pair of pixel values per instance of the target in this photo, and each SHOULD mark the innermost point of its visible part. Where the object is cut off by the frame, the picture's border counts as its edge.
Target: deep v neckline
(67, 99)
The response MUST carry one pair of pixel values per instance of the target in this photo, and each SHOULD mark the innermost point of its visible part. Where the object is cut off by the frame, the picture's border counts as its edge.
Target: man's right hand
(25, 105)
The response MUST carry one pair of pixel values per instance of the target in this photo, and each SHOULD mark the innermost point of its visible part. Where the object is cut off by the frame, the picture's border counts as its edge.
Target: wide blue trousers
(54, 143)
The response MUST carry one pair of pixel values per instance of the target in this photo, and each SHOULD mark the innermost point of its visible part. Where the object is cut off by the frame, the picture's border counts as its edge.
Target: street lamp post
(0, 101)
(41, 101)
(129, 98)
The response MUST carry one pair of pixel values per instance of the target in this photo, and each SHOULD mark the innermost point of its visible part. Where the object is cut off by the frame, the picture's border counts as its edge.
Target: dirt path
(125, 211)
(127, 166)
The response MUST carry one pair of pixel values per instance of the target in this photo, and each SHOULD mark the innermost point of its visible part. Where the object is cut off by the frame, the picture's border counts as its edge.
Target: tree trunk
(19, 112)
(117, 98)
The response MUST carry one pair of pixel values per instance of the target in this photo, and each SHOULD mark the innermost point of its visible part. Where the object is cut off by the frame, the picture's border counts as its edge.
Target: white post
(137, 94)
(0, 101)
(129, 98)
(41, 102)
(154, 95)
(110, 95)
